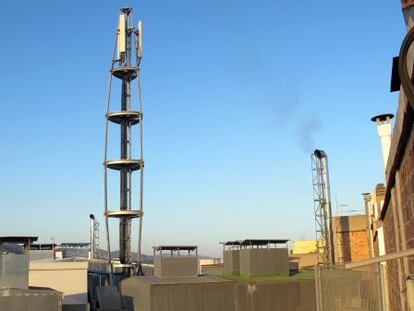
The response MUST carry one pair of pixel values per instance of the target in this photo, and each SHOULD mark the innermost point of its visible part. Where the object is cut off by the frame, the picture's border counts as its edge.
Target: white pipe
(92, 236)
(363, 263)
(384, 132)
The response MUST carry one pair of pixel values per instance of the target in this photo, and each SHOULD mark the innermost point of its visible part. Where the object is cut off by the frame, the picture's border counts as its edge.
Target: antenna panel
(121, 42)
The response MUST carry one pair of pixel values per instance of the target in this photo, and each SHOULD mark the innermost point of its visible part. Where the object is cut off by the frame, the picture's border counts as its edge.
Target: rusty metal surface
(407, 3)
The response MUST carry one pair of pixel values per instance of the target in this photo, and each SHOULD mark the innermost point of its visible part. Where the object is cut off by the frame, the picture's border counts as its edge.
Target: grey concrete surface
(261, 261)
(14, 271)
(231, 260)
(216, 269)
(75, 307)
(179, 266)
(218, 294)
(30, 300)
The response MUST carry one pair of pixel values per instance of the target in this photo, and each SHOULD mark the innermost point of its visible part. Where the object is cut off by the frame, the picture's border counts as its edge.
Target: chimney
(92, 237)
(367, 198)
(383, 122)
(326, 203)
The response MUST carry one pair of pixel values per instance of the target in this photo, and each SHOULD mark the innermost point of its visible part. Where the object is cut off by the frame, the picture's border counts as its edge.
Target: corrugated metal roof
(175, 247)
(255, 242)
(18, 239)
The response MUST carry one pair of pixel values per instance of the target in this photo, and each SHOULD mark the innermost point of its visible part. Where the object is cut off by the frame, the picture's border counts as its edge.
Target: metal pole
(125, 223)
(371, 261)
(141, 179)
(328, 209)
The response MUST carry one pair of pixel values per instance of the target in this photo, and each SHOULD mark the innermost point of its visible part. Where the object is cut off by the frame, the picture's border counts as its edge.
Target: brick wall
(392, 266)
(359, 242)
(351, 238)
(396, 231)
(406, 174)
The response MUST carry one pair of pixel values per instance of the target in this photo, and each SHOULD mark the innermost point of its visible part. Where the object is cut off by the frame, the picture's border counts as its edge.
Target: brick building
(397, 213)
(373, 205)
(350, 238)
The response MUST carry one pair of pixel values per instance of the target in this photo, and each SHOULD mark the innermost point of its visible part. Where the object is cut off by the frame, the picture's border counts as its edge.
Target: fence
(338, 289)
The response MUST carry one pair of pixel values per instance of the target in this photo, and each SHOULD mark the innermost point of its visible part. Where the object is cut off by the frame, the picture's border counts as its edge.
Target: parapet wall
(70, 278)
(219, 296)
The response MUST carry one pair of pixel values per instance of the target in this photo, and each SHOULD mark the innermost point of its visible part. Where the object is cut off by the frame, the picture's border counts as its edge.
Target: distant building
(71, 250)
(304, 255)
(373, 206)
(15, 292)
(254, 257)
(42, 251)
(210, 262)
(350, 238)
(304, 247)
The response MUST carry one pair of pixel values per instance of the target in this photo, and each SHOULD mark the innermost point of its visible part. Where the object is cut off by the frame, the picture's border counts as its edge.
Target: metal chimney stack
(383, 122)
(323, 206)
(128, 116)
(93, 237)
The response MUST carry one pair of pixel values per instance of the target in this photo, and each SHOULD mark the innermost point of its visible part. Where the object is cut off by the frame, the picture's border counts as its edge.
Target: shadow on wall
(343, 240)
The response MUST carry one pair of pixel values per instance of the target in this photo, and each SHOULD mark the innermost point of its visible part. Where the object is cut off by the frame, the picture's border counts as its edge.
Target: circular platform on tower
(124, 164)
(131, 117)
(120, 214)
(129, 73)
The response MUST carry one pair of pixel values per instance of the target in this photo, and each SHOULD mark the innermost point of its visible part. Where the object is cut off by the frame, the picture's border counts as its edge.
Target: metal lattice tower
(126, 69)
(322, 207)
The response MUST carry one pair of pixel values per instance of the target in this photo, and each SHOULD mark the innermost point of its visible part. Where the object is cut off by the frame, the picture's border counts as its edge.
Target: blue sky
(236, 94)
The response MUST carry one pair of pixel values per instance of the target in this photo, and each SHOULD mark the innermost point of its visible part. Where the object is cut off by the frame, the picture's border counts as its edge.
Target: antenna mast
(126, 69)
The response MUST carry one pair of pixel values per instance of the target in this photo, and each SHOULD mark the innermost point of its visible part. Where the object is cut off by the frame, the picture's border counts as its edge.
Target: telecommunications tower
(127, 118)
(322, 207)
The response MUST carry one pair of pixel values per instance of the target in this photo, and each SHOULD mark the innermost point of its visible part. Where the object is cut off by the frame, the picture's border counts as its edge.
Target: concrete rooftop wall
(180, 266)
(70, 278)
(14, 271)
(260, 261)
(30, 300)
(298, 295)
(231, 261)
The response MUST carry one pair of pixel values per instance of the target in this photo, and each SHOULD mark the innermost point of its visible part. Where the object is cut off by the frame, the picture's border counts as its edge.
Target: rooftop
(153, 280)
(26, 240)
(259, 242)
(175, 248)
